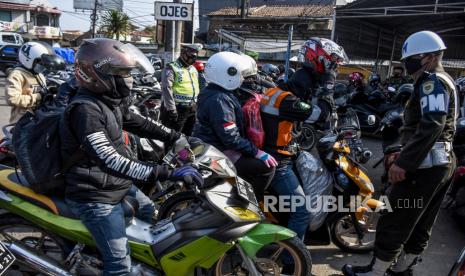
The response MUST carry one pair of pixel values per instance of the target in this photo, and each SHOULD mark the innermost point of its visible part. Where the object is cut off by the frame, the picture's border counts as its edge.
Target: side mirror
(391, 89)
(371, 120)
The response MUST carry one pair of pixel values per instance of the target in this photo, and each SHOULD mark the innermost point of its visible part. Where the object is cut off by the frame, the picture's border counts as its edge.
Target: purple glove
(268, 159)
(187, 174)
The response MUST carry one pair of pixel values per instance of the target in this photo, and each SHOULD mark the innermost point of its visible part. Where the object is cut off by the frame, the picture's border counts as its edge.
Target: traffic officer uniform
(428, 159)
(180, 87)
(424, 167)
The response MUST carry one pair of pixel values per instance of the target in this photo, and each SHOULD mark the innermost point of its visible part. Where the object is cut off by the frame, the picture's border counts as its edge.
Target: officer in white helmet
(422, 170)
(26, 84)
(220, 121)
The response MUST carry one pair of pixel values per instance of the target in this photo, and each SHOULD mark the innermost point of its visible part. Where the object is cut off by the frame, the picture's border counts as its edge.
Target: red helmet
(99, 60)
(199, 66)
(356, 79)
(322, 54)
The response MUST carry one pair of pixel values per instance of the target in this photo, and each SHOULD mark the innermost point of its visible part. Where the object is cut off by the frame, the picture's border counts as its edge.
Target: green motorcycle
(220, 233)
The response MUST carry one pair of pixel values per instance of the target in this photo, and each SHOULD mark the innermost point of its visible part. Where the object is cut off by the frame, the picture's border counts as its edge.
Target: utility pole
(243, 6)
(93, 17)
(173, 36)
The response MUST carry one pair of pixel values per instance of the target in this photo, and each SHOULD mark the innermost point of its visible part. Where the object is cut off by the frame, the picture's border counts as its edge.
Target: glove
(268, 159)
(188, 175)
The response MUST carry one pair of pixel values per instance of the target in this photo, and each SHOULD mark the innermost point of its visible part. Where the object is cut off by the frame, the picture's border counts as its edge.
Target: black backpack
(36, 142)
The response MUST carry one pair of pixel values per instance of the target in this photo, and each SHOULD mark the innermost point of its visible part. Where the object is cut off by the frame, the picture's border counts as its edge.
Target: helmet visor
(53, 62)
(335, 51)
(124, 61)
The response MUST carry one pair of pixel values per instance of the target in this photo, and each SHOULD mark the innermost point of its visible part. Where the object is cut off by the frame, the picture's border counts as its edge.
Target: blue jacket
(220, 121)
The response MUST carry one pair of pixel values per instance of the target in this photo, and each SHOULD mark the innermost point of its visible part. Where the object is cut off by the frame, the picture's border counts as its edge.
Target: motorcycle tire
(307, 137)
(337, 220)
(58, 252)
(294, 246)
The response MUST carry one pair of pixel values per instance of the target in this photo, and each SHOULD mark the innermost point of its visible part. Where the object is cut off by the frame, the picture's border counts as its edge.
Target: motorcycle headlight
(242, 213)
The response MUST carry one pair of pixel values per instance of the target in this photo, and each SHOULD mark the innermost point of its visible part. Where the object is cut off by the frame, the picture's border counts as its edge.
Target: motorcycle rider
(423, 167)
(374, 82)
(180, 87)
(220, 121)
(319, 58)
(97, 184)
(280, 109)
(201, 70)
(356, 82)
(398, 78)
(26, 85)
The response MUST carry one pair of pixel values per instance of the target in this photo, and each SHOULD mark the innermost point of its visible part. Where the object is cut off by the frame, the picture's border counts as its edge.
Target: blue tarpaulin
(66, 53)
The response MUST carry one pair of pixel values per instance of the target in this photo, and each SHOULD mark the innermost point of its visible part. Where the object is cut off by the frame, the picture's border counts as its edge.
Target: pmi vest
(186, 83)
(278, 133)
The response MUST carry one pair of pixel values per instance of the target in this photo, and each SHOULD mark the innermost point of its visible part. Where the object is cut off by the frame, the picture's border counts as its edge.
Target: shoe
(375, 268)
(408, 272)
(349, 270)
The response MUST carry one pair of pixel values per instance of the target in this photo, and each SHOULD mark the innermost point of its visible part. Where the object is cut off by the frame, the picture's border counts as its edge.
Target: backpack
(36, 142)
(253, 120)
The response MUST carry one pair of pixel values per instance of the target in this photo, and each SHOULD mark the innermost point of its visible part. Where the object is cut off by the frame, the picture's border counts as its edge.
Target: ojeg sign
(173, 11)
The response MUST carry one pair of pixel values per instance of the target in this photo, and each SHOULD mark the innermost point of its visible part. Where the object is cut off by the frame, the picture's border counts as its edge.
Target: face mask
(412, 65)
(123, 86)
(189, 58)
(38, 68)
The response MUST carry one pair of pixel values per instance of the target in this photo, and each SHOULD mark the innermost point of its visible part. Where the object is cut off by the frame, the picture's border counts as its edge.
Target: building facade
(33, 19)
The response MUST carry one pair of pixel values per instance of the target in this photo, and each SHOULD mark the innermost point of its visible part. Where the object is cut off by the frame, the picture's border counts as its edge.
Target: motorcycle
(458, 268)
(350, 231)
(146, 97)
(375, 104)
(221, 230)
(456, 194)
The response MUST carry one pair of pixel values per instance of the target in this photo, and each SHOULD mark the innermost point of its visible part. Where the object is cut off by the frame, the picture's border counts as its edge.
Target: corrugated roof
(279, 11)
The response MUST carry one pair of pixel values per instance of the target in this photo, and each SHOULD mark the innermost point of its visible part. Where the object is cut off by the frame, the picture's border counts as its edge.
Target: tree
(115, 23)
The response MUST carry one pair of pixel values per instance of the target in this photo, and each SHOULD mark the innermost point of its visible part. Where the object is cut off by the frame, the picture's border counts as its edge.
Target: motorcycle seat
(57, 205)
(10, 182)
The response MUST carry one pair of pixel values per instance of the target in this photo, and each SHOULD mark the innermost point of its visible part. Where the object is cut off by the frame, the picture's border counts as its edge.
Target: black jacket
(108, 169)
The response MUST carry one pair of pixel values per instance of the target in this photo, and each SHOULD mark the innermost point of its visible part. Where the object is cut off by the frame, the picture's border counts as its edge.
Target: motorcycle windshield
(218, 163)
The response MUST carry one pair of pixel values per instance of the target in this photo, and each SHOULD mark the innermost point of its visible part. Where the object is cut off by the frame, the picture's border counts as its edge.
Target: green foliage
(115, 24)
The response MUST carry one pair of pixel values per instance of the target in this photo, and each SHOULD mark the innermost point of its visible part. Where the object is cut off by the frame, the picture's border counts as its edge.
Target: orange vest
(278, 133)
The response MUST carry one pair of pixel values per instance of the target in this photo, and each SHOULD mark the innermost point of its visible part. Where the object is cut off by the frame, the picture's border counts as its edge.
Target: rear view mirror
(371, 120)
(391, 89)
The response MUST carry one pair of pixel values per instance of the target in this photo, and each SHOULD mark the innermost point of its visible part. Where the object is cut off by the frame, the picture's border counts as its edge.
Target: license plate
(245, 191)
(6, 258)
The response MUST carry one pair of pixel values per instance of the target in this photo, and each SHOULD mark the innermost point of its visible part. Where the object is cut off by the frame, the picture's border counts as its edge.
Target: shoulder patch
(428, 87)
(434, 98)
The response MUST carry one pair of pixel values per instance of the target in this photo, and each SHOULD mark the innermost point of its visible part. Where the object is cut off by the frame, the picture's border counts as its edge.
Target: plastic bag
(317, 181)
(253, 120)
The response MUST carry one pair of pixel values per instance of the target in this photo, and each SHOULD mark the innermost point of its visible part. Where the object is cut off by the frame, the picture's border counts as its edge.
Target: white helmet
(32, 51)
(228, 70)
(421, 43)
(254, 67)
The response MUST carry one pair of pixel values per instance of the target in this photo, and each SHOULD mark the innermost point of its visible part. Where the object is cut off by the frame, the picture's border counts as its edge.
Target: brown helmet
(99, 59)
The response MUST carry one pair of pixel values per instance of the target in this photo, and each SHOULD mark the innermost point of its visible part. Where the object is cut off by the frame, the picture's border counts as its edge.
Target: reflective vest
(186, 83)
(278, 133)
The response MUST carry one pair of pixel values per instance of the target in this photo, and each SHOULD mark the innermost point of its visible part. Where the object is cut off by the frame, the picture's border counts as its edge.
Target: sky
(138, 10)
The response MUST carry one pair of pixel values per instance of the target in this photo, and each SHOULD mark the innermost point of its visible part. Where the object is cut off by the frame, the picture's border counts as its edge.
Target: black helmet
(270, 70)
(403, 94)
(340, 89)
(374, 79)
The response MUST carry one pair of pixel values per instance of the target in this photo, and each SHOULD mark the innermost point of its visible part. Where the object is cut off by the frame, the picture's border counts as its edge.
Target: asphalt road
(446, 242)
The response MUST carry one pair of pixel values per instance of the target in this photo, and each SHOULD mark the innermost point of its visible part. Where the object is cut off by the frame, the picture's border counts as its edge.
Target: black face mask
(122, 87)
(412, 65)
